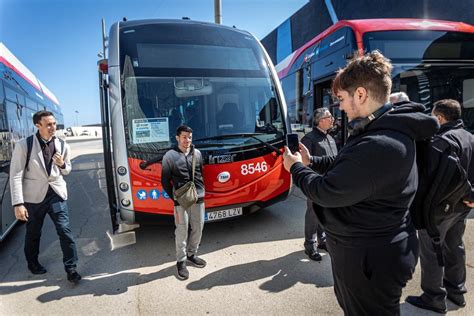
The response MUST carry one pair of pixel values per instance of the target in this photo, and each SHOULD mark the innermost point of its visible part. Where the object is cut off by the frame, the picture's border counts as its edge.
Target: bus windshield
(214, 80)
(421, 45)
(430, 66)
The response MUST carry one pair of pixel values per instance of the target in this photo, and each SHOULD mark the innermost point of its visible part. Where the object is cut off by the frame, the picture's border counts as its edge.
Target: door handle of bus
(327, 65)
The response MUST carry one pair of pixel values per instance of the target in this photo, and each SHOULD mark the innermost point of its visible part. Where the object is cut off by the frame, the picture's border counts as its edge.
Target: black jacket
(319, 143)
(455, 131)
(177, 170)
(368, 187)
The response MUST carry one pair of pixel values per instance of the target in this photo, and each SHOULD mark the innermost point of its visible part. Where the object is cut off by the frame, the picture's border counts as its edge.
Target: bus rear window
(421, 45)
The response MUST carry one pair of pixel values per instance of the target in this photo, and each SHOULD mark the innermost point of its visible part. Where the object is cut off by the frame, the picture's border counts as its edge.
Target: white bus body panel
(118, 129)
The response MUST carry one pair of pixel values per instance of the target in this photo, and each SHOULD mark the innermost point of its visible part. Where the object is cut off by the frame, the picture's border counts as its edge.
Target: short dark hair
(183, 128)
(40, 114)
(450, 109)
(371, 71)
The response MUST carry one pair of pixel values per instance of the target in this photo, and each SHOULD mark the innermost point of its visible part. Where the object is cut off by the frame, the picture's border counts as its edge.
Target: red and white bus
(22, 94)
(432, 60)
(159, 74)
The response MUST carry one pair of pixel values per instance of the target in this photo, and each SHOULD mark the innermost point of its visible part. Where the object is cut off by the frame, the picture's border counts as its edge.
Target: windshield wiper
(247, 135)
(204, 145)
(161, 152)
(237, 135)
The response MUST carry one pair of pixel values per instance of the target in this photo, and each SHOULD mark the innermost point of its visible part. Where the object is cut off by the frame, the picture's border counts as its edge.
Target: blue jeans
(57, 209)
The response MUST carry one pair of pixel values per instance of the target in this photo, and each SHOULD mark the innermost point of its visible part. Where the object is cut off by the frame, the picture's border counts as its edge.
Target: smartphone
(292, 142)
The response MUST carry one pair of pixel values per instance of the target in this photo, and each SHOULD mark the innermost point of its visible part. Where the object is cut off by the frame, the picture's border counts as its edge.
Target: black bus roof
(123, 24)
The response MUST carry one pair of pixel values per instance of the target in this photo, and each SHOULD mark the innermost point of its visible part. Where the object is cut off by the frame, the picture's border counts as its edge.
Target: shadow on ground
(106, 271)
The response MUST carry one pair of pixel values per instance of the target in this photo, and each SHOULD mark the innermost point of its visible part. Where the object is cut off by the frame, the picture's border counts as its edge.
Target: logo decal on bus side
(221, 159)
(154, 194)
(223, 177)
(141, 194)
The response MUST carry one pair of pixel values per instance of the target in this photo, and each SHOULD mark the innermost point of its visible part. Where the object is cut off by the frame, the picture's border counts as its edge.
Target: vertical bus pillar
(106, 139)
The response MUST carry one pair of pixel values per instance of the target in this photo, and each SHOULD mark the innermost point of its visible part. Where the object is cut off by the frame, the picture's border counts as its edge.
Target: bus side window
(14, 122)
(468, 104)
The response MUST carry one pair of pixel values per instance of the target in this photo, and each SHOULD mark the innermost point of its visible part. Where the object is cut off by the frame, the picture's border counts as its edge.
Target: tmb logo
(223, 177)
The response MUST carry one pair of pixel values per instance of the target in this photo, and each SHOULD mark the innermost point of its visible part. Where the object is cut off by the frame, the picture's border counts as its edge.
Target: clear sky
(58, 40)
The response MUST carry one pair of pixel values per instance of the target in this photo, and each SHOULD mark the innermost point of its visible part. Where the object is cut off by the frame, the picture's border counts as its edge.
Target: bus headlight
(122, 170)
(125, 202)
(123, 187)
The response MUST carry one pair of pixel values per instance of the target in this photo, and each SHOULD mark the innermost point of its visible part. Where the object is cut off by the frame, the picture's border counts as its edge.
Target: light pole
(77, 120)
(217, 12)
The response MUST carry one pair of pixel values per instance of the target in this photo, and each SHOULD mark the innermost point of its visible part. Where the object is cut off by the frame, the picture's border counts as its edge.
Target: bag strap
(62, 145)
(193, 166)
(29, 147)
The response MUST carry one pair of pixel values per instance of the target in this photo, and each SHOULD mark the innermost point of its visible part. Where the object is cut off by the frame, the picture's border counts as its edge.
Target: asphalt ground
(256, 263)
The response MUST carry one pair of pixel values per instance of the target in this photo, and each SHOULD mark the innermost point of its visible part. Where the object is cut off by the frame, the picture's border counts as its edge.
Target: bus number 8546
(251, 168)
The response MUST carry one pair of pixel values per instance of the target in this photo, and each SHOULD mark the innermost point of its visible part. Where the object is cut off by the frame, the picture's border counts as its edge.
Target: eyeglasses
(330, 117)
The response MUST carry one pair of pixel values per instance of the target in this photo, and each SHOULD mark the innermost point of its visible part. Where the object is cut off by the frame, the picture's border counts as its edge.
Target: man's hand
(469, 204)
(58, 159)
(305, 156)
(290, 159)
(21, 213)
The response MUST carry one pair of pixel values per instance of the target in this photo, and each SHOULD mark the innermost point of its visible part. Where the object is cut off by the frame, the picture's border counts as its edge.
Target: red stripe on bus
(18, 72)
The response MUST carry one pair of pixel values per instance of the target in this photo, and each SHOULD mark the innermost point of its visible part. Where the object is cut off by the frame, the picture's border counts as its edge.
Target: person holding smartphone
(319, 143)
(38, 165)
(366, 190)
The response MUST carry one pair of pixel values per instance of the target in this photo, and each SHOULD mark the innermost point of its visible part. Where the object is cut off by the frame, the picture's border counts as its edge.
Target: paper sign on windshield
(150, 130)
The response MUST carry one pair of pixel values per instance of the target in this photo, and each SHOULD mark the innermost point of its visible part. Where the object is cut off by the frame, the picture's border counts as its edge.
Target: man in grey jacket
(177, 171)
(38, 188)
(319, 143)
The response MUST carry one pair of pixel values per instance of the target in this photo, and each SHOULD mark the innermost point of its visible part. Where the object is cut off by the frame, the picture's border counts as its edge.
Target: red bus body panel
(239, 189)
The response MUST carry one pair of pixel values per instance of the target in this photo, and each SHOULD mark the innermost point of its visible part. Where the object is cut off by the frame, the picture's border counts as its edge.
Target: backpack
(442, 183)
(29, 147)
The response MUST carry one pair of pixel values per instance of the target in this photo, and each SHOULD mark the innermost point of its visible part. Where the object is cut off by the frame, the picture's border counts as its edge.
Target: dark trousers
(313, 231)
(369, 280)
(437, 281)
(57, 210)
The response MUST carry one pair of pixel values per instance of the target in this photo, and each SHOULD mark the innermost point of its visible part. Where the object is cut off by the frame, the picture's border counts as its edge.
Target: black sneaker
(459, 300)
(313, 255)
(73, 276)
(196, 261)
(36, 268)
(418, 302)
(322, 246)
(183, 273)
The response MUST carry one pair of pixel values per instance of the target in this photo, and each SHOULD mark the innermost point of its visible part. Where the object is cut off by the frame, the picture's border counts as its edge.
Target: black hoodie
(455, 131)
(367, 188)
